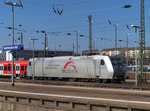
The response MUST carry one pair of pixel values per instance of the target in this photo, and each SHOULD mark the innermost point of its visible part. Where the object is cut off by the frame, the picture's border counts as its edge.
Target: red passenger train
(19, 68)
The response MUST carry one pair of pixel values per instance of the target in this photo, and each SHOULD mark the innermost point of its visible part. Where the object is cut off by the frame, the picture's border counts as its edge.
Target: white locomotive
(80, 68)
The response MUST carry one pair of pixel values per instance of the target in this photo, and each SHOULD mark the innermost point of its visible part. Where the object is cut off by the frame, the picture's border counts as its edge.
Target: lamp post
(127, 6)
(115, 35)
(115, 25)
(33, 75)
(127, 45)
(29, 48)
(16, 5)
(45, 43)
(21, 37)
(134, 26)
(120, 47)
(127, 54)
(77, 41)
(77, 45)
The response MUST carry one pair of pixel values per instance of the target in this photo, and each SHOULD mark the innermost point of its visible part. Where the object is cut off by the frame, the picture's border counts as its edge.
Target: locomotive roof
(73, 57)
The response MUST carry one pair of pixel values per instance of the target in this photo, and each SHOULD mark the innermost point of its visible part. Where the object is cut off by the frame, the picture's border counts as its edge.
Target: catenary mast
(141, 39)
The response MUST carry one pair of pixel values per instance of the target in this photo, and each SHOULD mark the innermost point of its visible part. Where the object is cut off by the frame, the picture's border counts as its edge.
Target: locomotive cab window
(102, 62)
(29, 63)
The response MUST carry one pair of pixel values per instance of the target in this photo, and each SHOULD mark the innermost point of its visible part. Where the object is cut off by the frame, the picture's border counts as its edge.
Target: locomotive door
(97, 68)
(103, 69)
(39, 68)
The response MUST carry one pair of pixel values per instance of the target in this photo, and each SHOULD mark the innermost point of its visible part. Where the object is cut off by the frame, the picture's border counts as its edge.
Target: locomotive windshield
(116, 61)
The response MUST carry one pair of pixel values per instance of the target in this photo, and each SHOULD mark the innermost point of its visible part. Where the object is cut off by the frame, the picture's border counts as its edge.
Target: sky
(38, 15)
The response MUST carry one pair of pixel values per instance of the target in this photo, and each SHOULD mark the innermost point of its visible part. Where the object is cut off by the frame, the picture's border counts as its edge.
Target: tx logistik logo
(69, 67)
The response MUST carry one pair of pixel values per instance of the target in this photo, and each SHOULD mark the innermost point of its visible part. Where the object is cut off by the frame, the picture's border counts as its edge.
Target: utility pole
(90, 33)
(141, 38)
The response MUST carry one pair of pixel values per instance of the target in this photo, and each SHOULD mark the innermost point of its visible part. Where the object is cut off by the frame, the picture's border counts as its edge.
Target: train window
(2, 67)
(116, 61)
(5, 68)
(22, 68)
(9, 68)
(29, 63)
(102, 62)
(17, 68)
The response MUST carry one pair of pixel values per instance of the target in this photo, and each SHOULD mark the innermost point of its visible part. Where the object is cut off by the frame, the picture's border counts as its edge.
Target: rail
(126, 85)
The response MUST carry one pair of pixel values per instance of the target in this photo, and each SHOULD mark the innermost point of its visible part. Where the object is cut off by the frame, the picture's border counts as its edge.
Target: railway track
(73, 98)
(125, 85)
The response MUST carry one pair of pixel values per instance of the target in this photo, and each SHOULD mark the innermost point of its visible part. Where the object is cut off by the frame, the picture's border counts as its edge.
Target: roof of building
(125, 48)
(92, 51)
(114, 49)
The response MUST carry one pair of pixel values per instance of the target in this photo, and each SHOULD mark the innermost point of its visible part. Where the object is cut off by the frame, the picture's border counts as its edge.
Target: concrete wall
(5, 106)
(30, 103)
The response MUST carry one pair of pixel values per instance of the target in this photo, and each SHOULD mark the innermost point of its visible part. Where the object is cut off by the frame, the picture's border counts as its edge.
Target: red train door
(17, 69)
(22, 69)
(1, 69)
(9, 69)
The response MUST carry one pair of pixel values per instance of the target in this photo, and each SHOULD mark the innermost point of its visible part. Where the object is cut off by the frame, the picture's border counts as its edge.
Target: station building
(27, 54)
